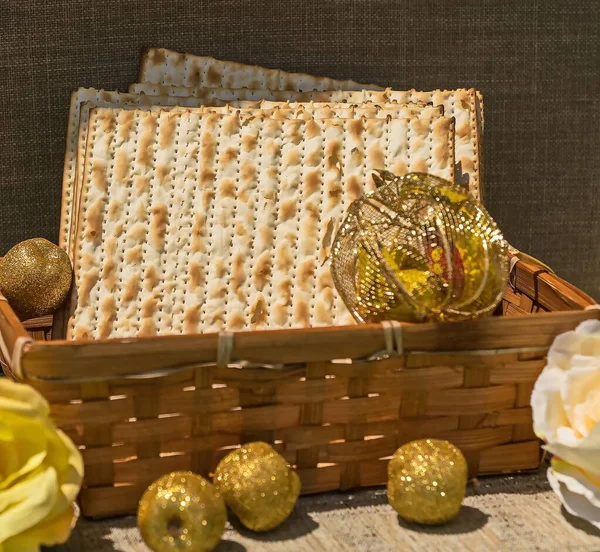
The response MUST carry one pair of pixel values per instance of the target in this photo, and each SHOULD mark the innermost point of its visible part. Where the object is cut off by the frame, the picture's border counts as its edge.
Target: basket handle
(13, 339)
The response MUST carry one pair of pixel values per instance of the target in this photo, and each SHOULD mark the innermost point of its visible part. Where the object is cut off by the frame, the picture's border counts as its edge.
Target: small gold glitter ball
(258, 485)
(35, 277)
(181, 511)
(427, 480)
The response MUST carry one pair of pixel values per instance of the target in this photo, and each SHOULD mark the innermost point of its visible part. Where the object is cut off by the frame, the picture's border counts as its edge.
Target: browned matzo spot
(237, 272)
(126, 121)
(207, 176)
(292, 157)
(196, 275)
(208, 145)
(231, 125)
(137, 232)
(93, 231)
(114, 209)
(111, 246)
(355, 127)
(88, 281)
(271, 147)
(467, 164)
(323, 314)
(265, 234)
(198, 229)
(132, 288)
(353, 187)
(158, 226)
(108, 274)
(213, 76)
(313, 158)
(147, 328)
(375, 157)
(399, 168)
(162, 172)
(441, 154)
(283, 259)
(149, 307)
(191, 319)
(144, 154)
(150, 278)
(312, 129)
(99, 175)
(324, 280)
(262, 270)
(227, 188)
(306, 271)
(420, 166)
(249, 142)
(258, 312)
(248, 171)
(236, 320)
(312, 181)
(462, 132)
(287, 209)
(133, 255)
(228, 156)
(157, 55)
(167, 130)
(142, 184)
(109, 314)
(332, 154)
(301, 313)
(207, 197)
(420, 127)
(280, 314)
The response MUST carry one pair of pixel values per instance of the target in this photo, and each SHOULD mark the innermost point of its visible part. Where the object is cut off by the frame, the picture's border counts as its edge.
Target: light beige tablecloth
(511, 513)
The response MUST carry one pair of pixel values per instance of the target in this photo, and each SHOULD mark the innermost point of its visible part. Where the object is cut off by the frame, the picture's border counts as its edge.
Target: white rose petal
(548, 410)
(579, 495)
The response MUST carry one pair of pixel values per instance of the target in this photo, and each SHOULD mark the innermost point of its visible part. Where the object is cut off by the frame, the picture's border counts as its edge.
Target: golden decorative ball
(427, 480)
(258, 485)
(35, 277)
(181, 511)
(418, 248)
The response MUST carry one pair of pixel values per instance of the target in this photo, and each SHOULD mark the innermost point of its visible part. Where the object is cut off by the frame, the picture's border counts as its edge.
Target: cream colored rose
(40, 472)
(566, 415)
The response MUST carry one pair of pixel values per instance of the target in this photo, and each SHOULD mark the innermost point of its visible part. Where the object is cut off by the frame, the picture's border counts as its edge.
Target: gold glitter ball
(35, 277)
(258, 485)
(181, 511)
(427, 480)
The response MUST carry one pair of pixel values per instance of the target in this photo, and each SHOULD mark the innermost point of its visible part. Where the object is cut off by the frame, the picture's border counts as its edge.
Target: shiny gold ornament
(181, 511)
(258, 485)
(418, 248)
(427, 481)
(35, 277)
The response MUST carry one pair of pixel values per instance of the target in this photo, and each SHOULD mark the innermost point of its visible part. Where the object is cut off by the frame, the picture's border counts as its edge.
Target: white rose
(566, 415)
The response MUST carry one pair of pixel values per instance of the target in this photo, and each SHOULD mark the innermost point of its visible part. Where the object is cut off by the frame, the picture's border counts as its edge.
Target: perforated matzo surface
(82, 106)
(460, 104)
(197, 222)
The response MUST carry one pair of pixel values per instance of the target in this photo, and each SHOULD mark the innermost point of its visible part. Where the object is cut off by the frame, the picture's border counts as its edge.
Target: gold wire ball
(418, 248)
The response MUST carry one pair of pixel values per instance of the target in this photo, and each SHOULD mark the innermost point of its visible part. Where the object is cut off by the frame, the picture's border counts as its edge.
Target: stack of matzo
(207, 198)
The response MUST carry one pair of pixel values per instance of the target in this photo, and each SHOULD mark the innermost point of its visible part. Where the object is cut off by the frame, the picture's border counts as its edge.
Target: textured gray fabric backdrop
(537, 63)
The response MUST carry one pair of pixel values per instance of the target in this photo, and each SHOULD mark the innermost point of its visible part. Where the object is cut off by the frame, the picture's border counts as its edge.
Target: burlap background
(537, 63)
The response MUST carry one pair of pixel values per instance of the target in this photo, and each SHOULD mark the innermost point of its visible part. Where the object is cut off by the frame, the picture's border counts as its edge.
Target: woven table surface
(504, 513)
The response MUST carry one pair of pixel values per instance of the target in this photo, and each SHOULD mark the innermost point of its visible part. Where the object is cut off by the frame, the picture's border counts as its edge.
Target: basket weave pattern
(337, 422)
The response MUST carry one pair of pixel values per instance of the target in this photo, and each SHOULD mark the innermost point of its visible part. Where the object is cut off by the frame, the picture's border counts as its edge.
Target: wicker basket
(141, 407)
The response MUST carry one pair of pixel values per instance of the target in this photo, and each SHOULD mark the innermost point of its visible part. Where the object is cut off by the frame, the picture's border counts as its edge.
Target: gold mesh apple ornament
(418, 248)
